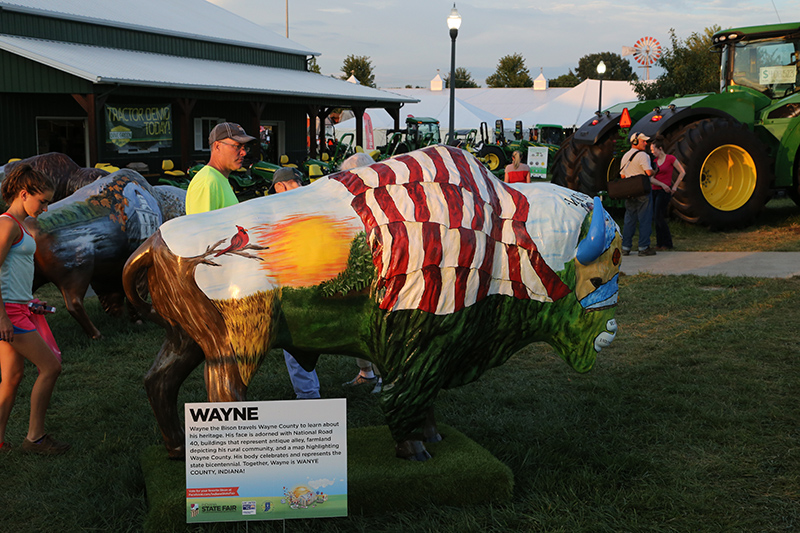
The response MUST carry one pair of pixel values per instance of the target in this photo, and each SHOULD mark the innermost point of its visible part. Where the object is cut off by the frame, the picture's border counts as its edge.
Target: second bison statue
(424, 264)
(84, 239)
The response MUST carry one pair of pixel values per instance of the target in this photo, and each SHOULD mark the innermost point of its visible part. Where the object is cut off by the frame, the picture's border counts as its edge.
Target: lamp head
(601, 68)
(454, 20)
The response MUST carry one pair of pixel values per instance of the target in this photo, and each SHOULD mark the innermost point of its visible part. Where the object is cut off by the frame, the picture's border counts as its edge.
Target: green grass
(776, 229)
(688, 422)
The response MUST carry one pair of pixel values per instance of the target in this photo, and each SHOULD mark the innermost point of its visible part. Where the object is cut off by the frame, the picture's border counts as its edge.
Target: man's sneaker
(378, 386)
(647, 251)
(626, 252)
(47, 445)
(360, 380)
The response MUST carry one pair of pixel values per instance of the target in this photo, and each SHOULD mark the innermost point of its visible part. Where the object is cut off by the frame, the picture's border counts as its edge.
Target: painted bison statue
(86, 238)
(67, 176)
(424, 264)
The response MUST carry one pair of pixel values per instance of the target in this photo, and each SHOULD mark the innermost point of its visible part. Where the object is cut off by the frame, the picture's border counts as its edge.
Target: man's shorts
(20, 316)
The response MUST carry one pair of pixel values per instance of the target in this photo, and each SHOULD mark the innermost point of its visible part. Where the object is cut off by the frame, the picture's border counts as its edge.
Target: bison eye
(596, 282)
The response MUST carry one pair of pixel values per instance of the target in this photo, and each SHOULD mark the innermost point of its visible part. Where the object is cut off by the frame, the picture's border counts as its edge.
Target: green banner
(138, 128)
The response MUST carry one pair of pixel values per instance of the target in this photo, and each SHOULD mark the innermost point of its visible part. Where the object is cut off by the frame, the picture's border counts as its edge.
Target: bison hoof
(177, 454)
(413, 450)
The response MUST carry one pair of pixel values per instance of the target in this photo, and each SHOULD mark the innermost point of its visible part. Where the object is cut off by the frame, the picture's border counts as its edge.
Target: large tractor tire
(599, 165)
(728, 174)
(493, 156)
(567, 163)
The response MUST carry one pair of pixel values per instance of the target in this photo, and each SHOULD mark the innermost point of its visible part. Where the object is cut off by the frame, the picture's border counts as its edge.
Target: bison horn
(593, 245)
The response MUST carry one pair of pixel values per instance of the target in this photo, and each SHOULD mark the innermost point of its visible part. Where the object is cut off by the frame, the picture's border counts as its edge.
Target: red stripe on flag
(460, 290)
(393, 288)
(398, 257)
(514, 272)
(487, 264)
(466, 252)
(386, 175)
(359, 203)
(432, 241)
(386, 203)
(433, 289)
(556, 288)
(467, 179)
(375, 240)
(484, 279)
(441, 175)
(497, 226)
(455, 204)
(417, 194)
(521, 201)
(478, 218)
(351, 181)
(415, 171)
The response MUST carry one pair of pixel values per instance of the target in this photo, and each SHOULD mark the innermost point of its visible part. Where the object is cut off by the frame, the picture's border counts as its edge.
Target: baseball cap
(285, 174)
(229, 130)
(639, 137)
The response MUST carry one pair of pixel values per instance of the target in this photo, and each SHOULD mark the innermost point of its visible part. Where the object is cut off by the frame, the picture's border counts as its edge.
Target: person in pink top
(662, 193)
(517, 171)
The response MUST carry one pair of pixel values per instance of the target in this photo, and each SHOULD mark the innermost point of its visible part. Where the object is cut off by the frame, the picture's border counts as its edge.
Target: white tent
(576, 106)
(567, 106)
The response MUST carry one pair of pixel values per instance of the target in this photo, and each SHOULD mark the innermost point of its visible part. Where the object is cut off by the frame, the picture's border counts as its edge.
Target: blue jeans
(304, 383)
(637, 210)
(661, 200)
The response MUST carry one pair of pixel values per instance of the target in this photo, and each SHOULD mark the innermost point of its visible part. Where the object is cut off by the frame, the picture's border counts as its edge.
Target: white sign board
(777, 74)
(537, 161)
(266, 460)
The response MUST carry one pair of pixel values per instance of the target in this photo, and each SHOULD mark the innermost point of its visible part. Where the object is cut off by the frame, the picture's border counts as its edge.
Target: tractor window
(769, 66)
(429, 132)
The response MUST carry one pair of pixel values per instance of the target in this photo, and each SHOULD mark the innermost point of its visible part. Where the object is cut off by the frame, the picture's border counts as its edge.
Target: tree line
(688, 67)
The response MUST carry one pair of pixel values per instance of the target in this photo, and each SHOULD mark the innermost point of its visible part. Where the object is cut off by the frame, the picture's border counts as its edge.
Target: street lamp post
(453, 22)
(601, 69)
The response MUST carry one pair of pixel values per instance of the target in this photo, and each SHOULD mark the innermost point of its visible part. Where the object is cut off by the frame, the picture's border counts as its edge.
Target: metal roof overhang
(109, 66)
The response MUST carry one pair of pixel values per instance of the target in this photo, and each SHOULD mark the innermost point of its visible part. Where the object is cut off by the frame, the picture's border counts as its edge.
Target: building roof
(192, 19)
(110, 66)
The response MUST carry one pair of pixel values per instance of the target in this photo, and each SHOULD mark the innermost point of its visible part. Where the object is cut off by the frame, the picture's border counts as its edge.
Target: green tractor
(419, 133)
(737, 145)
(498, 154)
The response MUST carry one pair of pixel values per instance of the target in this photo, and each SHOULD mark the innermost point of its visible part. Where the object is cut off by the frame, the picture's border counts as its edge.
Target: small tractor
(419, 133)
(737, 146)
(498, 154)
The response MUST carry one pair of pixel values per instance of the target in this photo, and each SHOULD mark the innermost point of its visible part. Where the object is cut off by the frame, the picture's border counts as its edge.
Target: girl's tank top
(16, 273)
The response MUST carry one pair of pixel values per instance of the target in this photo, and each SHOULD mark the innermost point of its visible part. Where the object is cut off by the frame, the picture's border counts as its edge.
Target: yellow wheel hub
(492, 161)
(728, 177)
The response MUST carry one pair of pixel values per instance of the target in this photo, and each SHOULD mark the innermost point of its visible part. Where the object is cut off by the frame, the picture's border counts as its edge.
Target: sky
(408, 40)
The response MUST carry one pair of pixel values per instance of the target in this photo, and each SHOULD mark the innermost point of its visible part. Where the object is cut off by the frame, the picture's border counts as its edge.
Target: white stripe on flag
(367, 175)
(369, 200)
(447, 299)
(533, 283)
(416, 248)
(410, 295)
(451, 247)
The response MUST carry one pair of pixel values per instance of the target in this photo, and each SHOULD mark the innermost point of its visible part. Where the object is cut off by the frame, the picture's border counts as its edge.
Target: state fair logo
(195, 509)
(249, 508)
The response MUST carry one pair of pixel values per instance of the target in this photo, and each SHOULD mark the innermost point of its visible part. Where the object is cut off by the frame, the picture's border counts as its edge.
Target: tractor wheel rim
(493, 161)
(728, 177)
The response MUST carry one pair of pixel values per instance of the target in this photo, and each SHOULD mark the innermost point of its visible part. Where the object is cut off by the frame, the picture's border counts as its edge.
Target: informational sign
(138, 128)
(537, 161)
(777, 74)
(266, 460)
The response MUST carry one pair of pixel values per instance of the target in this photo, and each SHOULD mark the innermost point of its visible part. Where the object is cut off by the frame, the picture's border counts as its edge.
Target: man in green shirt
(209, 188)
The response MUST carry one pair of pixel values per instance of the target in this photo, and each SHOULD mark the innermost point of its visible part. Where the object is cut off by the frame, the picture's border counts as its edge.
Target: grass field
(688, 422)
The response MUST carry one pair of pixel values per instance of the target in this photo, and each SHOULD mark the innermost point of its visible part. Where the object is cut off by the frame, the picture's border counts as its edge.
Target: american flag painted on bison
(445, 233)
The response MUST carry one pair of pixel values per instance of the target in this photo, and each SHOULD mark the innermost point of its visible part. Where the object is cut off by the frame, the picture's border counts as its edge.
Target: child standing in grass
(28, 193)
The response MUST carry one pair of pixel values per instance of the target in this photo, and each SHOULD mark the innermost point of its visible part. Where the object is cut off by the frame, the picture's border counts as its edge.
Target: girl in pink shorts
(28, 193)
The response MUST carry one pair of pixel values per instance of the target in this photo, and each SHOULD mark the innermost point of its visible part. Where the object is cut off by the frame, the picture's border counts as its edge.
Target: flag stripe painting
(445, 233)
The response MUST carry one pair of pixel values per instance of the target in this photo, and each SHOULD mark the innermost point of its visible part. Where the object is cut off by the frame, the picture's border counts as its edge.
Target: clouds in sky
(408, 40)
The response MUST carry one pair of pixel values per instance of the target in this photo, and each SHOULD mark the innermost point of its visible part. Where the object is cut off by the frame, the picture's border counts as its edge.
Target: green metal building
(145, 81)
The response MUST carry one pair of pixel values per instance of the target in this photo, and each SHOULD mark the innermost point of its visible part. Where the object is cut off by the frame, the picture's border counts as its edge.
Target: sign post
(266, 460)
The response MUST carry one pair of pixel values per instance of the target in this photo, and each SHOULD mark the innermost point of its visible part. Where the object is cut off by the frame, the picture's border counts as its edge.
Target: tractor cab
(761, 58)
(422, 131)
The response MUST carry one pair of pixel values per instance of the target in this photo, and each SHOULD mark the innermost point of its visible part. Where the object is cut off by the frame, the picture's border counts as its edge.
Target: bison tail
(134, 280)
